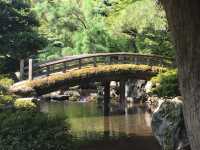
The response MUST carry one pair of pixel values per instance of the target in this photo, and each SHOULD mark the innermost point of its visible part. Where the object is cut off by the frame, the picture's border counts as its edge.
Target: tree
(145, 23)
(18, 38)
(79, 27)
(184, 22)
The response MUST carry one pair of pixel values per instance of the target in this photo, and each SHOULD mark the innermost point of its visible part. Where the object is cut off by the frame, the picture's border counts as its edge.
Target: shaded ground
(130, 143)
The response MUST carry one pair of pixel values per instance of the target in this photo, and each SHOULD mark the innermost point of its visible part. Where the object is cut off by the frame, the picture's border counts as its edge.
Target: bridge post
(65, 67)
(21, 69)
(121, 59)
(122, 92)
(79, 63)
(108, 60)
(136, 60)
(106, 97)
(148, 61)
(161, 62)
(95, 61)
(30, 69)
(48, 70)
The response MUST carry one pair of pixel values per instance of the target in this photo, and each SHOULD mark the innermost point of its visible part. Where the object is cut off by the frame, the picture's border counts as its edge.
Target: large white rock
(148, 87)
(168, 124)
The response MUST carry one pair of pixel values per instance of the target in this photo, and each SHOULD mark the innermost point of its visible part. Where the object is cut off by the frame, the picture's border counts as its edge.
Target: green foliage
(24, 104)
(94, 39)
(5, 98)
(6, 101)
(79, 27)
(166, 84)
(23, 130)
(145, 22)
(151, 41)
(76, 27)
(5, 83)
(18, 36)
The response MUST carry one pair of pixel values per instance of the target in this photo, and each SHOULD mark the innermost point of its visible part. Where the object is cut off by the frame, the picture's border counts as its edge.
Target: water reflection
(87, 119)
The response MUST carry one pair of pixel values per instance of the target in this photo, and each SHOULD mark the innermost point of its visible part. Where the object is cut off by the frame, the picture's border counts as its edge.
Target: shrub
(166, 84)
(5, 83)
(25, 104)
(24, 130)
(5, 98)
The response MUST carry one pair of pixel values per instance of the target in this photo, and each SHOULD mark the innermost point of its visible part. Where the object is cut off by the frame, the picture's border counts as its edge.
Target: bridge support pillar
(122, 92)
(106, 98)
(21, 69)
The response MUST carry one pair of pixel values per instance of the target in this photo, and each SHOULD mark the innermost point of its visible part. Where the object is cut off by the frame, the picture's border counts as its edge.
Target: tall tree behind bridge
(184, 20)
(18, 36)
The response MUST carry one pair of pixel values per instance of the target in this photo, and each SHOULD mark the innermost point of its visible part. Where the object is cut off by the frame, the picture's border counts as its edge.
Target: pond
(88, 120)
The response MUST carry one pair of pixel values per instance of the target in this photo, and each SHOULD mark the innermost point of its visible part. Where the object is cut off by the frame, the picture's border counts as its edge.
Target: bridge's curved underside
(60, 80)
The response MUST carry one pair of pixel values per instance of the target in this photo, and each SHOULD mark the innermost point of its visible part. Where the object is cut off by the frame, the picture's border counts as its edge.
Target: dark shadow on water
(122, 142)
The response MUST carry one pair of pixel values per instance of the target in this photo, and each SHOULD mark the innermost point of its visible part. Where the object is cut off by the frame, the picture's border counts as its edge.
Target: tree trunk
(184, 21)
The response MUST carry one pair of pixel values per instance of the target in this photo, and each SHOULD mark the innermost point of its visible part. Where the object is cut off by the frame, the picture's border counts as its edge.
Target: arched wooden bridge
(33, 69)
(43, 78)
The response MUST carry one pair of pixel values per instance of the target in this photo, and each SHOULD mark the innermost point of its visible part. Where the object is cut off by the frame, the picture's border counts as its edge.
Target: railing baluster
(108, 60)
(136, 60)
(79, 63)
(148, 61)
(160, 62)
(119, 59)
(95, 61)
(65, 66)
(48, 70)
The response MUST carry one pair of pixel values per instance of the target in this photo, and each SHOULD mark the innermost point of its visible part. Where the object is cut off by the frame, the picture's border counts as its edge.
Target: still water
(87, 119)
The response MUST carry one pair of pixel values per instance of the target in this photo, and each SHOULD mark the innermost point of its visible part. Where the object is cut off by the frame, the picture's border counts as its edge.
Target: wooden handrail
(98, 55)
(79, 61)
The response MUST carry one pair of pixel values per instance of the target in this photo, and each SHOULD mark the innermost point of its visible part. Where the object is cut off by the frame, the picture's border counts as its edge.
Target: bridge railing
(33, 69)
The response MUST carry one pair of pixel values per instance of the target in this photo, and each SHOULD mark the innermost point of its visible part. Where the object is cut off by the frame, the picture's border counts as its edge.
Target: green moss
(88, 72)
(53, 82)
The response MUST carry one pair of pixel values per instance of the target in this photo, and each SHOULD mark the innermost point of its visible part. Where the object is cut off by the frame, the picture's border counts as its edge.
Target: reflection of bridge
(75, 70)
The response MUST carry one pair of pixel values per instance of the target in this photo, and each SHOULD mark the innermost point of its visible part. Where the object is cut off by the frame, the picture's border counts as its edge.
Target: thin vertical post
(136, 60)
(95, 61)
(121, 59)
(108, 61)
(65, 66)
(79, 63)
(122, 92)
(161, 62)
(30, 69)
(48, 71)
(21, 77)
(106, 98)
(148, 61)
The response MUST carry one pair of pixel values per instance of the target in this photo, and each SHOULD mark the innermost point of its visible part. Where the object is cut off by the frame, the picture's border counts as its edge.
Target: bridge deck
(83, 76)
